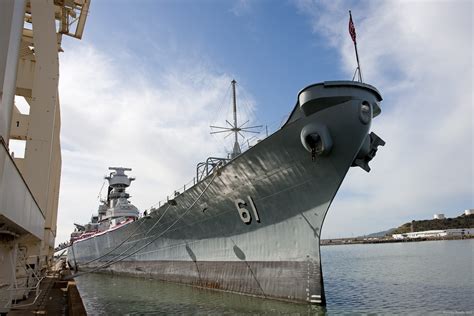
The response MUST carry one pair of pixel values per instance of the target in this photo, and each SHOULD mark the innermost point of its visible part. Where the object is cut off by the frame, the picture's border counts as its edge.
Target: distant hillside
(463, 221)
(387, 232)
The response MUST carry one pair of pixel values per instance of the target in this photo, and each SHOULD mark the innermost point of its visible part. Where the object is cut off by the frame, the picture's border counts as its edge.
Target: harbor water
(431, 277)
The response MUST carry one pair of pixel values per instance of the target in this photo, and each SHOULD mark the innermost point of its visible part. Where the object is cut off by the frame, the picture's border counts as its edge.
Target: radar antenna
(235, 128)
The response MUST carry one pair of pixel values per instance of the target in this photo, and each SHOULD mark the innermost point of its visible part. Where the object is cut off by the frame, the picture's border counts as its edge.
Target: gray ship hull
(272, 250)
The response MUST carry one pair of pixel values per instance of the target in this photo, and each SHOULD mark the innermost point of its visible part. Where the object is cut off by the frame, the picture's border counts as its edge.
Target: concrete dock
(56, 297)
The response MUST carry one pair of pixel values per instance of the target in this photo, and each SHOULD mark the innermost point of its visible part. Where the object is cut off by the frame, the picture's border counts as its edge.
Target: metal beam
(38, 153)
(12, 13)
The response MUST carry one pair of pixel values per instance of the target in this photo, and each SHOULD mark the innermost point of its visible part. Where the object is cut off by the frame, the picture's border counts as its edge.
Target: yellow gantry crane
(31, 33)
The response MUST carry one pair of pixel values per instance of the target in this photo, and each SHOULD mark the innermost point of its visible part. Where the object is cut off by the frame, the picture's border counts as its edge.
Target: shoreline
(382, 240)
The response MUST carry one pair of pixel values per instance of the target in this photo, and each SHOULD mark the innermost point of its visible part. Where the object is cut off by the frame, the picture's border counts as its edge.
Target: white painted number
(244, 213)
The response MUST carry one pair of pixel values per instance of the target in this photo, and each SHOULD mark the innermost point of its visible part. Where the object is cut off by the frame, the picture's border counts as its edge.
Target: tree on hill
(463, 221)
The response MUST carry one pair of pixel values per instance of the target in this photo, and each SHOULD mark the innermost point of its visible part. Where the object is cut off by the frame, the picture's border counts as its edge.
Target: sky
(148, 78)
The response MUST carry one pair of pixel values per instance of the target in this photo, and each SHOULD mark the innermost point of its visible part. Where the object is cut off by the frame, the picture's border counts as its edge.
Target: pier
(55, 297)
(31, 33)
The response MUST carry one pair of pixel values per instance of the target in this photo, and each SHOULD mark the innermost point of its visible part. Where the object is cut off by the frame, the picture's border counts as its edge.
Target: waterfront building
(442, 233)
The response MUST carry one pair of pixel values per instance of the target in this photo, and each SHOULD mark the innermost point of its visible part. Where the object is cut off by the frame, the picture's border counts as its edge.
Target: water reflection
(405, 278)
(106, 294)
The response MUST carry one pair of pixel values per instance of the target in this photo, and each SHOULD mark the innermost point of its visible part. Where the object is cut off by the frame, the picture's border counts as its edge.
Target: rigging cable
(219, 115)
(113, 261)
(133, 245)
(100, 191)
(219, 109)
(120, 244)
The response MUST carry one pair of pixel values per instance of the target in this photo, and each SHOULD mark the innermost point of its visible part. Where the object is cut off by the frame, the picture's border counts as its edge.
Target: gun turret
(80, 227)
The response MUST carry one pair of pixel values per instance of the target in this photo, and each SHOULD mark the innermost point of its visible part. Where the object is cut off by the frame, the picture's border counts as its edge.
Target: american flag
(352, 29)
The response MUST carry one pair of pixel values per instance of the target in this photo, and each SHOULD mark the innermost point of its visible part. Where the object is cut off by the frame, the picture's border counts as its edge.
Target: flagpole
(355, 47)
(358, 64)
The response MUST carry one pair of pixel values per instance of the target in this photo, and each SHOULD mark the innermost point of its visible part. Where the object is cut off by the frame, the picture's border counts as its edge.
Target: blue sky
(148, 78)
(266, 45)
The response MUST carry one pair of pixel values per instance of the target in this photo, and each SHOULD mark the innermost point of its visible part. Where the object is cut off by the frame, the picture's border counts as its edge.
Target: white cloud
(113, 116)
(419, 54)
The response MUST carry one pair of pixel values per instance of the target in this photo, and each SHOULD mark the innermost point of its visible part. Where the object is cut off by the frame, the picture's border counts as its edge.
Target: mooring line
(116, 247)
(136, 242)
(113, 261)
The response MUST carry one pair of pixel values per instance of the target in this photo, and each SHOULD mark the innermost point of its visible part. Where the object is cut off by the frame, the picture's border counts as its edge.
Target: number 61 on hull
(244, 213)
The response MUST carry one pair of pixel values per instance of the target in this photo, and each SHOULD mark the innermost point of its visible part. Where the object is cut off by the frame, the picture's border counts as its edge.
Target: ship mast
(235, 128)
(236, 151)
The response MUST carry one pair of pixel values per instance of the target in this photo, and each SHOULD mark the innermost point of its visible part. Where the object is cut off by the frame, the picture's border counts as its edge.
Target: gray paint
(277, 257)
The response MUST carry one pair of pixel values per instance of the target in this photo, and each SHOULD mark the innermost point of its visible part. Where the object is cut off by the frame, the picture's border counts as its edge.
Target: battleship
(251, 223)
